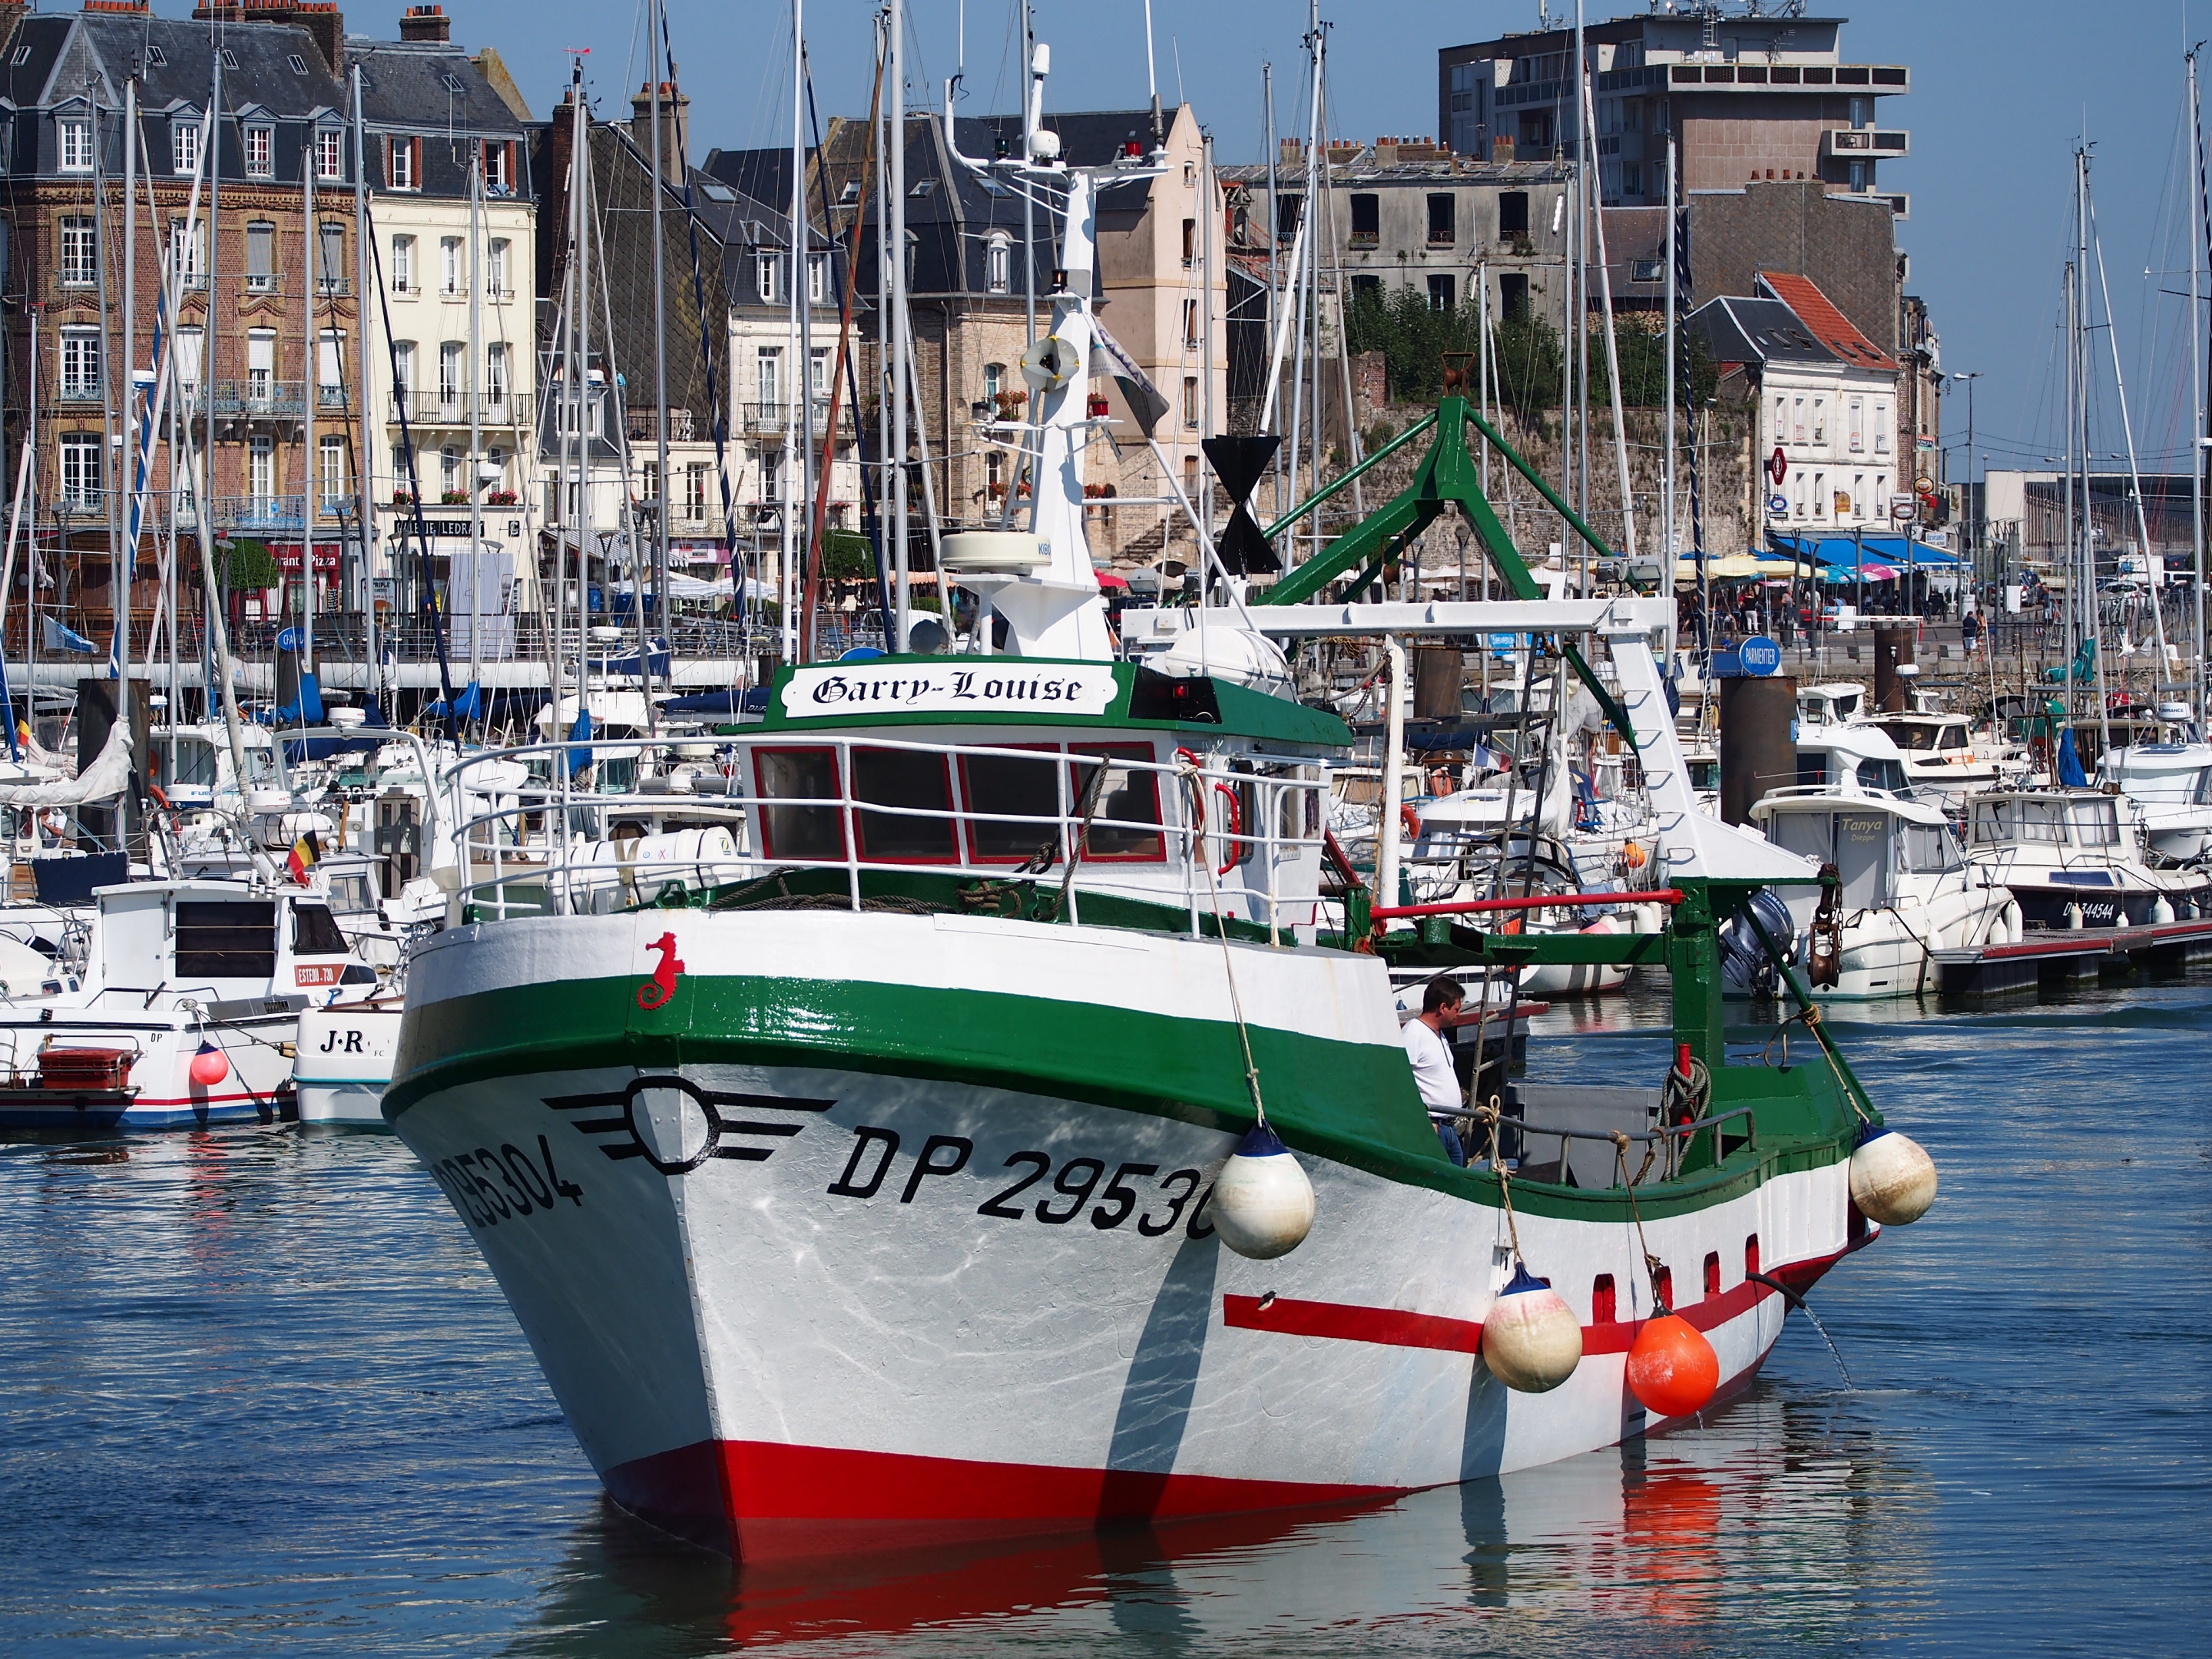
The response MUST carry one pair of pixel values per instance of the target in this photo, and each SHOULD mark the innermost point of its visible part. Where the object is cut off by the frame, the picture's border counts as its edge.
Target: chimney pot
(427, 24)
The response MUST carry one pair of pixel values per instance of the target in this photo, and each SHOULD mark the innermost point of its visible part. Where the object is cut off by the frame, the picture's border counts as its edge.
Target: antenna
(1152, 80)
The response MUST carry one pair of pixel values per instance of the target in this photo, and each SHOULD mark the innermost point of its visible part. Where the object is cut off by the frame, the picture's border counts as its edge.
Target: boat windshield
(2096, 822)
(1884, 773)
(1930, 849)
(1996, 822)
(1911, 736)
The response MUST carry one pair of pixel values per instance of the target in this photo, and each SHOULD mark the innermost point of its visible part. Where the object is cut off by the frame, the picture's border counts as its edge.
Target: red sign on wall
(286, 555)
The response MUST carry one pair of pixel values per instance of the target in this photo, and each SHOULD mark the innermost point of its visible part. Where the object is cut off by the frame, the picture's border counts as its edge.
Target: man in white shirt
(1431, 1055)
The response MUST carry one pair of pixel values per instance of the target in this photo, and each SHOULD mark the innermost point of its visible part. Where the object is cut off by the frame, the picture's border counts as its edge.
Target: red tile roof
(1824, 323)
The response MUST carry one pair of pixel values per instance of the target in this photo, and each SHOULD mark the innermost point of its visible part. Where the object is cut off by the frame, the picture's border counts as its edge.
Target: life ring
(1409, 820)
(1236, 828)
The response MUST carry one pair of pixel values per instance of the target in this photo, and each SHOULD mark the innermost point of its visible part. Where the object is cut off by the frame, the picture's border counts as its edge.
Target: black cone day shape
(1238, 461)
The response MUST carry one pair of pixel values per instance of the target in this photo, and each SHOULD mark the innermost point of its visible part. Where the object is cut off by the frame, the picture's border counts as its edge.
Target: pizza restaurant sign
(1001, 685)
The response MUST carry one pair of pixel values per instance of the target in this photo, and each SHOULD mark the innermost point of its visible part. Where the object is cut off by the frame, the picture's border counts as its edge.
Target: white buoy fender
(1530, 1339)
(2160, 912)
(1262, 1204)
(1893, 1179)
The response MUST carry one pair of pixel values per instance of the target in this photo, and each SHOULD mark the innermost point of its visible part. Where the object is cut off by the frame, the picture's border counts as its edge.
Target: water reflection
(1783, 1519)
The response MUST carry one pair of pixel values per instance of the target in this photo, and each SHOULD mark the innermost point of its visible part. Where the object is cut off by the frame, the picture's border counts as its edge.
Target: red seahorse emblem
(663, 986)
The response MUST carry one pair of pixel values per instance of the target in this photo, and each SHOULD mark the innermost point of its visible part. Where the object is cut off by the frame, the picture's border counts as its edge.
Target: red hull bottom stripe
(787, 1501)
(760, 1500)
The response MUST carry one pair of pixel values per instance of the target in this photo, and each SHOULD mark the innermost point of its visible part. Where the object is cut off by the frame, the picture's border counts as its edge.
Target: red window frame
(1127, 751)
(1050, 752)
(766, 801)
(859, 809)
(1712, 1273)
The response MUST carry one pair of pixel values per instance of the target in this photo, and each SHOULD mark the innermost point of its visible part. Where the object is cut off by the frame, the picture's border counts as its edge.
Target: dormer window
(330, 153)
(260, 152)
(75, 145)
(403, 164)
(185, 146)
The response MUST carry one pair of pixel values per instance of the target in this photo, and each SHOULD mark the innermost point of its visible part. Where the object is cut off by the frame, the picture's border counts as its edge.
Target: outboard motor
(1749, 970)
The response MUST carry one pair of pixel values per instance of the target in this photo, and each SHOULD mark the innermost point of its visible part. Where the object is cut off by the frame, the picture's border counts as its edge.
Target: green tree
(848, 555)
(245, 566)
(1415, 337)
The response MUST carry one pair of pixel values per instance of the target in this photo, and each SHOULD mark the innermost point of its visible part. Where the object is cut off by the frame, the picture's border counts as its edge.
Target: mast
(2092, 621)
(654, 53)
(119, 567)
(1586, 208)
(311, 377)
(801, 298)
(1612, 369)
(585, 517)
(364, 467)
(1667, 443)
(476, 423)
(2196, 439)
(1267, 414)
(2073, 550)
(901, 341)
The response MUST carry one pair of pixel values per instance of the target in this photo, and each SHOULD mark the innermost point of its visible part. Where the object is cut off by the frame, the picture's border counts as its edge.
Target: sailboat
(1021, 1147)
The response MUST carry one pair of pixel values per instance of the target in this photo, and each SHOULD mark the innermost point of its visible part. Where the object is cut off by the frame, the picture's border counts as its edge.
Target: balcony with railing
(260, 512)
(435, 408)
(258, 399)
(768, 420)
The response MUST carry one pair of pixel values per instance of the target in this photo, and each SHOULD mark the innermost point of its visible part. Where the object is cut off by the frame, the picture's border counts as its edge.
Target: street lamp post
(1973, 516)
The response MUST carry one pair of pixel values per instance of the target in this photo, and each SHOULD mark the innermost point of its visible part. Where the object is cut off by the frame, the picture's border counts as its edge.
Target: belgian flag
(305, 851)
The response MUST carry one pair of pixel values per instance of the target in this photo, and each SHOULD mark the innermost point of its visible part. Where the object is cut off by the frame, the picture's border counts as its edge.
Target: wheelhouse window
(916, 786)
(815, 830)
(1013, 807)
(314, 933)
(1124, 824)
(226, 939)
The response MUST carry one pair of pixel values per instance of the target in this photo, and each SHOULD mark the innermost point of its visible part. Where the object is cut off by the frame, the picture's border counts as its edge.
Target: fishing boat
(1945, 760)
(1019, 1148)
(343, 1060)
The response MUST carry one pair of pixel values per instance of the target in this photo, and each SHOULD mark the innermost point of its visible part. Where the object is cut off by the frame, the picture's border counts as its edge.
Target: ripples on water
(260, 1394)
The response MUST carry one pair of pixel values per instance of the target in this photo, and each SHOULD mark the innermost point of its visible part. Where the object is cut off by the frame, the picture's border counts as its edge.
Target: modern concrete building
(1749, 95)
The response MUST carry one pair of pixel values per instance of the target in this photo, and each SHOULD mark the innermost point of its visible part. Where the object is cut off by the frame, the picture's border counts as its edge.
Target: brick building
(251, 269)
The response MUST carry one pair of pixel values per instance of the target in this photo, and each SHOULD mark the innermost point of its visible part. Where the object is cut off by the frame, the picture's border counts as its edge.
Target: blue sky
(2001, 96)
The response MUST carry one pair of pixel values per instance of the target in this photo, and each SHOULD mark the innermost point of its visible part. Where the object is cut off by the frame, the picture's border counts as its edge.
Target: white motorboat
(2170, 782)
(188, 1006)
(1903, 892)
(2071, 858)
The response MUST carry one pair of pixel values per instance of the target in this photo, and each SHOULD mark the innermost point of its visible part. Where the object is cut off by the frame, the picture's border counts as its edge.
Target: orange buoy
(1672, 1369)
(210, 1065)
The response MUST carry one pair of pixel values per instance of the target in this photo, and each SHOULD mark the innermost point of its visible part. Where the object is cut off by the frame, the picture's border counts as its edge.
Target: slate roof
(1740, 330)
(424, 86)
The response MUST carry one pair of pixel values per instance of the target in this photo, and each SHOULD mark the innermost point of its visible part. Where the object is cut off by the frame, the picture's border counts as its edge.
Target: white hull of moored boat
(344, 1062)
(791, 1307)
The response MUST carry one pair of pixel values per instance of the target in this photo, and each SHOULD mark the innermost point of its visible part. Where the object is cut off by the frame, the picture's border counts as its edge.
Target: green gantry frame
(1447, 475)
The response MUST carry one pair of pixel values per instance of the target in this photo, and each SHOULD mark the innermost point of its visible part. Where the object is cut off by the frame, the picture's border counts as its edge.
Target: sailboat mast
(2196, 452)
(1667, 426)
(657, 65)
(902, 339)
(1275, 279)
(475, 482)
(310, 387)
(365, 463)
(802, 389)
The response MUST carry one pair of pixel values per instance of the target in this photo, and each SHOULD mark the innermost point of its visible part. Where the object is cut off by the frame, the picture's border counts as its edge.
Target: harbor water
(260, 1396)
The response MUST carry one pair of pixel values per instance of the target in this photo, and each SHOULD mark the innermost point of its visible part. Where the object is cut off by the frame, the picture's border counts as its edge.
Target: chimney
(427, 24)
(135, 8)
(325, 26)
(1501, 147)
(675, 109)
